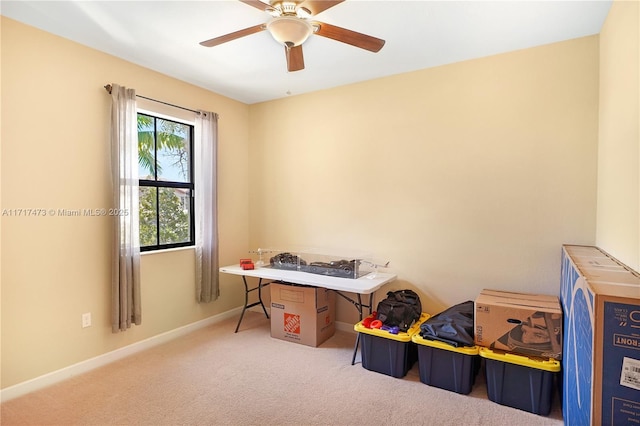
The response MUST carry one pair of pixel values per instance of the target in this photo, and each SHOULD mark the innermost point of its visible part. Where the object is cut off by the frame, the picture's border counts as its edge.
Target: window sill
(146, 253)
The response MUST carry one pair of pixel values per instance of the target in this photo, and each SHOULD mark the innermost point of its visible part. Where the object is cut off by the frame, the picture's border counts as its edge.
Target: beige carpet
(216, 377)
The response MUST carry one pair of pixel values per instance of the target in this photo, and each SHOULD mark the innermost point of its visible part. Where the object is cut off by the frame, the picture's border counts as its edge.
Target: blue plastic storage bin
(387, 353)
(447, 367)
(519, 381)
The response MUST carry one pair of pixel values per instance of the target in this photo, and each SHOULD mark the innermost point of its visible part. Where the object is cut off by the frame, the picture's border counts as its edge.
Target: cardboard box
(528, 324)
(601, 365)
(302, 314)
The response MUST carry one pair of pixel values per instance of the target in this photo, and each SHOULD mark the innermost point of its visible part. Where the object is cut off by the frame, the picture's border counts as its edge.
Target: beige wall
(55, 155)
(618, 225)
(465, 176)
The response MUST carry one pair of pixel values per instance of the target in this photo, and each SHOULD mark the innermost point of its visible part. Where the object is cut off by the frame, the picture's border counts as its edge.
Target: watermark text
(61, 212)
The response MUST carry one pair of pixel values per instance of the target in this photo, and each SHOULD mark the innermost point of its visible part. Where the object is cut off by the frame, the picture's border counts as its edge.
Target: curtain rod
(108, 89)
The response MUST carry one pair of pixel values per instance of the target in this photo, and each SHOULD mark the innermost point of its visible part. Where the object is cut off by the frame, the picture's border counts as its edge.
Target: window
(165, 168)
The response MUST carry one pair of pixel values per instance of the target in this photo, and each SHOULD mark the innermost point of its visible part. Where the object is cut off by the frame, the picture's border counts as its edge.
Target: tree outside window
(165, 168)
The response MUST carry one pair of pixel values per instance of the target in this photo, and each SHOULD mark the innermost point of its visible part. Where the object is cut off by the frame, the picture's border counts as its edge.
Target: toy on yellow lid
(520, 381)
(385, 350)
(445, 366)
(389, 332)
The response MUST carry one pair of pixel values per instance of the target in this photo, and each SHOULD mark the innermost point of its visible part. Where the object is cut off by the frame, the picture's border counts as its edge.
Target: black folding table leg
(260, 297)
(355, 349)
(246, 301)
(248, 305)
(359, 307)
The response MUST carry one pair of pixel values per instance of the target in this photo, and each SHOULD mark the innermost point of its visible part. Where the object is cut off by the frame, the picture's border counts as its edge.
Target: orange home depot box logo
(292, 323)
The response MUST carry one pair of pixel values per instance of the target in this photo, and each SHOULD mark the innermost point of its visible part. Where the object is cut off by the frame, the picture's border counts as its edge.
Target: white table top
(364, 285)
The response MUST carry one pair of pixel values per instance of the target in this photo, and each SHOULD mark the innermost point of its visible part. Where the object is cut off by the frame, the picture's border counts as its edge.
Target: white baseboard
(54, 377)
(57, 376)
(345, 326)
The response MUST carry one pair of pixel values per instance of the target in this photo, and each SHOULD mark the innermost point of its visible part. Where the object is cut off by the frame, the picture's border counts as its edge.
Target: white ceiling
(165, 36)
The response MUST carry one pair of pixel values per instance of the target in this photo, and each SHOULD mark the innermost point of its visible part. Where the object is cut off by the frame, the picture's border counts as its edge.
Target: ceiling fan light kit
(289, 27)
(289, 31)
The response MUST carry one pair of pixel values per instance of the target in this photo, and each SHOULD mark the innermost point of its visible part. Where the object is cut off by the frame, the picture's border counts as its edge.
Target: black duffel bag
(453, 326)
(401, 308)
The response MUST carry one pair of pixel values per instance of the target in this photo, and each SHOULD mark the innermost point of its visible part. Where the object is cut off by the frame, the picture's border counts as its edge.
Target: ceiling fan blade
(234, 35)
(353, 38)
(257, 4)
(295, 59)
(317, 6)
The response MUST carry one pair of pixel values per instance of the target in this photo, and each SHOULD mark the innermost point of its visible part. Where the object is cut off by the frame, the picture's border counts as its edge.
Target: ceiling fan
(290, 26)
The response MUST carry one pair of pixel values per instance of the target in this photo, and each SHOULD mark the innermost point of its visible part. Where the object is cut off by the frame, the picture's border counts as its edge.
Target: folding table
(363, 286)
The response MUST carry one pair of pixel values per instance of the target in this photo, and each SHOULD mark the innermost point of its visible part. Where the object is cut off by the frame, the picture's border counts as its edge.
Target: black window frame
(159, 184)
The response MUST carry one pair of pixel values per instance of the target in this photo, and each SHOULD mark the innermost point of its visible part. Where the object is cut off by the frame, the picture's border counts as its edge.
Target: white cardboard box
(302, 314)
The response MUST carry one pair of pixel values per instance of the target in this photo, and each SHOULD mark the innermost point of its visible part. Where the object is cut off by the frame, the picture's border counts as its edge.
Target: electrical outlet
(86, 320)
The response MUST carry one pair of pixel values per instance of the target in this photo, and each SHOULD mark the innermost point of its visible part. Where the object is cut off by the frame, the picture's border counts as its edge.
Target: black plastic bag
(401, 308)
(453, 326)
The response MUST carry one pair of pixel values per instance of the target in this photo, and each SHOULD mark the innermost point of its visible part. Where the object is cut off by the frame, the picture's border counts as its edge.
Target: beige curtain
(125, 277)
(206, 204)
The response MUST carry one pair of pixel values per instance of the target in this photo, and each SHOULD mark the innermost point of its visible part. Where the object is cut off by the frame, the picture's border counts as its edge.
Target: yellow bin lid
(523, 360)
(465, 350)
(400, 337)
